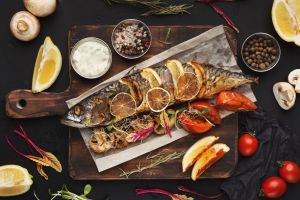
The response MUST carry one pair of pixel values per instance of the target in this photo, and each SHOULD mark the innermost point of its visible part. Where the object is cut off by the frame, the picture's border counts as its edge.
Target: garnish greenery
(155, 7)
(64, 193)
(156, 160)
(166, 41)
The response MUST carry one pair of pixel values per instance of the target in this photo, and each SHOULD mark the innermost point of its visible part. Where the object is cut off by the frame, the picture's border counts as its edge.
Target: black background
(16, 69)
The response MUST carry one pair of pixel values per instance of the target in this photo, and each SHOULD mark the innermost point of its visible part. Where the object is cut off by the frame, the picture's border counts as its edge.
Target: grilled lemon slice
(176, 69)
(152, 76)
(188, 87)
(122, 105)
(158, 99)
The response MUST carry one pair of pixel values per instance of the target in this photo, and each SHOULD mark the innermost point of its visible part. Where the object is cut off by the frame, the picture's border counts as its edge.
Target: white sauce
(91, 58)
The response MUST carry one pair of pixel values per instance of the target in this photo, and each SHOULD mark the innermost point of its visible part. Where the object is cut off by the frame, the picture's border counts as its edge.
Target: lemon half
(14, 180)
(47, 66)
(286, 19)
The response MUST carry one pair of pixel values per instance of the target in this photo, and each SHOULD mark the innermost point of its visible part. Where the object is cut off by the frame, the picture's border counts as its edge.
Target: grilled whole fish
(95, 110)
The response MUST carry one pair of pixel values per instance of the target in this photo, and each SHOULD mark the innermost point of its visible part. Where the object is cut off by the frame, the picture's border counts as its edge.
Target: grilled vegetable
(212, 114)
(234, 101)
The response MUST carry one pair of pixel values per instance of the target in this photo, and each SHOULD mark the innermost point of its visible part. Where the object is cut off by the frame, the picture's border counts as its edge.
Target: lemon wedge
(47, 66)
(14, 180)
(286, 19)
(152, 76)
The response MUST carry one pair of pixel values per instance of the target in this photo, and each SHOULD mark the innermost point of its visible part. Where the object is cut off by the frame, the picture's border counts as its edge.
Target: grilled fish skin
(94, 110)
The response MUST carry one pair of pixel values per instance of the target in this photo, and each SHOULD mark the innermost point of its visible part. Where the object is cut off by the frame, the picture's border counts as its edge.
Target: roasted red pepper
(234, 101)
(193, 123)
(212, 115)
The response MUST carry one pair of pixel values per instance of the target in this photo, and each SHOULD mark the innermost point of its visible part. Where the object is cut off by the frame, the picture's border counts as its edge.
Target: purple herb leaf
(184, 189)
(159, 191)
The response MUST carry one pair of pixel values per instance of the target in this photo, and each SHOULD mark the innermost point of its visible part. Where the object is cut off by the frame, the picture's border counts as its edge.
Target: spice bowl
(91, 58)
(131, 38)
(260, 52)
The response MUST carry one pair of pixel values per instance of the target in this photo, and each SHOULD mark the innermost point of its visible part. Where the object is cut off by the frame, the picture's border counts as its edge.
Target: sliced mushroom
(285, 95)
(24, 26)
(294, 79)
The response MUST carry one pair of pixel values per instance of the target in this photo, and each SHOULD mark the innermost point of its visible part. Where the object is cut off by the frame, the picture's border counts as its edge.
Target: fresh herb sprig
(156, 160)
(155, 7)
(166, 41)
(64, 193)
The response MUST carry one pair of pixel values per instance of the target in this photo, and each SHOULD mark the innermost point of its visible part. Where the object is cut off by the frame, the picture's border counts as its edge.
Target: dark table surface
(16, 68)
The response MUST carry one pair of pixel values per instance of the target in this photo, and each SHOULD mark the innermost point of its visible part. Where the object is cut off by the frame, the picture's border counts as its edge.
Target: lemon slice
(47, 66)
(176, 69)
(158, 99)
(14, 180)
(286, 19)
(123, 105)
(188, 87)
(152, 76)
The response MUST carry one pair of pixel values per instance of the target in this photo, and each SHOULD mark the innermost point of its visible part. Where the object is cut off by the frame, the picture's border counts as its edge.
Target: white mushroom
(285, 95)
(294, 79)
(40, 8)
(24, 26)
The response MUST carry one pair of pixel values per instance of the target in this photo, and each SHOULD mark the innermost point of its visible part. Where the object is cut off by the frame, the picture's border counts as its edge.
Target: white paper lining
(210, 47)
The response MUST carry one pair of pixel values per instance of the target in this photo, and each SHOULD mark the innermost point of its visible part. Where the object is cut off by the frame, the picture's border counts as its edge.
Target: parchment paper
(209, 47)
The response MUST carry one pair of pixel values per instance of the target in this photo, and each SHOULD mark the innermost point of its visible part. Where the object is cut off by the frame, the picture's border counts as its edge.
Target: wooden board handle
(24, 104)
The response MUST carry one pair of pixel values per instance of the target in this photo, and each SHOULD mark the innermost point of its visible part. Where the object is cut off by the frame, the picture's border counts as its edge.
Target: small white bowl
(89, 39)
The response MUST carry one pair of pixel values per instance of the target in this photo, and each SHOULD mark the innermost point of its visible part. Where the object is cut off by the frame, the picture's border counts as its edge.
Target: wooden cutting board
(24, 104)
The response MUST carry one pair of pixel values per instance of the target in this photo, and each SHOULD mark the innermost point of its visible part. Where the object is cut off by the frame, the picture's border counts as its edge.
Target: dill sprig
(155, 7)
(156, 160)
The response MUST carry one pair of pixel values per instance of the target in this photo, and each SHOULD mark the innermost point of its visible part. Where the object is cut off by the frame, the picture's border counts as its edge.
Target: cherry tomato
(273, 187)
(289, 171)
(213, 115)
(248, 144)
(234, 101)
(192, 124)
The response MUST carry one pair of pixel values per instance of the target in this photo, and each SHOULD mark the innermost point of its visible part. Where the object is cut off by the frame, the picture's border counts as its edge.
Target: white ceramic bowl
(89, 39)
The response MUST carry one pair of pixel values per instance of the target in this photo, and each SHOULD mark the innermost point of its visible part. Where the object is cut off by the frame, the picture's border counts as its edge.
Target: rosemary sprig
(156, 160)
(35, 196)
(166, 41)
(156, 7)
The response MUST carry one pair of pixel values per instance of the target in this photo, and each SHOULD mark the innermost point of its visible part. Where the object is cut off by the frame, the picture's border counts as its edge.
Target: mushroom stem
(22, 26)
(297, 86)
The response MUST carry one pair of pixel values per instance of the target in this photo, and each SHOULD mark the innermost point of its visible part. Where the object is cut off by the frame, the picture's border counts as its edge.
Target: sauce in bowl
(91, 58)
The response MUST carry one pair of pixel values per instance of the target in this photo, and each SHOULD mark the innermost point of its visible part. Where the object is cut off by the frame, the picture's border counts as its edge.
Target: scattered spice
(155, 7)
(184, 189)
(166, 41)
(156, 160)
(47, 159)
(219, 11)
(160, 191)
(64, 193)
